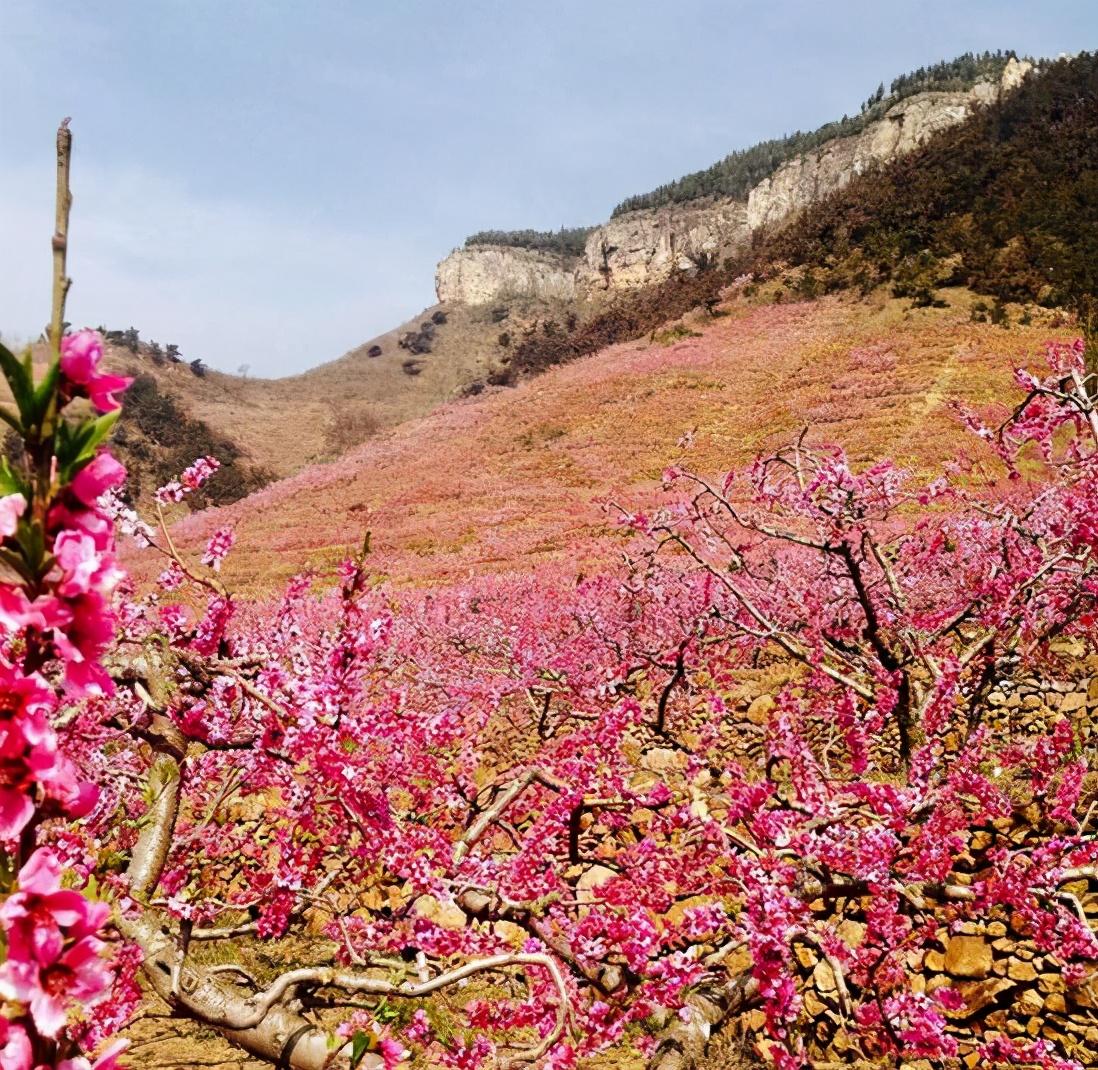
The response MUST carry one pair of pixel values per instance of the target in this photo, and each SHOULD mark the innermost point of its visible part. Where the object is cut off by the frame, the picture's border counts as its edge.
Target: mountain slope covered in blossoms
(525, 475)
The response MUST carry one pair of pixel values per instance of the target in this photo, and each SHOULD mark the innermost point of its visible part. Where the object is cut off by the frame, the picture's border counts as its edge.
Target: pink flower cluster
(218, 547)
(36, 774)
(191, 480)
(56, 622)
(54, 955)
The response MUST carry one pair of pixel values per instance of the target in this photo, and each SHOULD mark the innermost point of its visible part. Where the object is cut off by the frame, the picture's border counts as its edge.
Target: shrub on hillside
(157, 438)
(418, 341)
(918, 277)
(349, 428)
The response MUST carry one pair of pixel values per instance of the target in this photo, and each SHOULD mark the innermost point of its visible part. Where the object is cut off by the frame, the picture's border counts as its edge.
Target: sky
(271, 183)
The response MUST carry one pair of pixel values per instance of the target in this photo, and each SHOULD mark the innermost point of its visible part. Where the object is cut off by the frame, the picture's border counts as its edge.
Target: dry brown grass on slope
(284, 424)
(278, 426)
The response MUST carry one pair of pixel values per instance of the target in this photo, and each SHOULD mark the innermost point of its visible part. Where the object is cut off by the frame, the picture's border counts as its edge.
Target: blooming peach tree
(521, 820)
(63, 983)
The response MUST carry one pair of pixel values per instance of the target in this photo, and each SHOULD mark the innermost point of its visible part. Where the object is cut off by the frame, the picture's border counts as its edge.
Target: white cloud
(228, 281)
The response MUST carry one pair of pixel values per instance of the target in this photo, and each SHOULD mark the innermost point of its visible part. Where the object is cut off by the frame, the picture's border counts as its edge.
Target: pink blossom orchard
(445, 793)
(452, 800)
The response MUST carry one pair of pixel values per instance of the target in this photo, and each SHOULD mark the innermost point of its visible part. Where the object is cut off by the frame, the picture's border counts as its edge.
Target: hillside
(1003, 202)
(518, 477)
(1006, 203)
(675, 649)
(513, 304)
(268, 428)
(959, 196)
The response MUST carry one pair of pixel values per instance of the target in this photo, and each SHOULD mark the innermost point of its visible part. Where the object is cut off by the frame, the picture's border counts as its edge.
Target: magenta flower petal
(15, 1047)
(102, 388)
(16, 809)
(100, 474)
(80, 356)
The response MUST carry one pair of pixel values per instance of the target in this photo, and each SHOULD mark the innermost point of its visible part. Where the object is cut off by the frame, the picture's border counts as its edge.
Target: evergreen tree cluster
(952, 75)
(568, 241)
(739, 171)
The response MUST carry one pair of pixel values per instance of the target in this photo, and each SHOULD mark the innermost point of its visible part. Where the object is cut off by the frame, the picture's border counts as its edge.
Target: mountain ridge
(641, 246)
(275, 427)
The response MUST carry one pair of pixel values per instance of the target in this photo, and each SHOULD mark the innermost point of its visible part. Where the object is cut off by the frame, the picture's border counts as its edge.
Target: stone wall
(1007, 984)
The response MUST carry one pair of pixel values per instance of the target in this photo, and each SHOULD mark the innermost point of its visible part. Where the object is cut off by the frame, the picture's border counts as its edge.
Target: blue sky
(272, 183)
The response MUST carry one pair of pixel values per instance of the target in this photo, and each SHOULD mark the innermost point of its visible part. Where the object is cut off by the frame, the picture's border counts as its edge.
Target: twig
(326, 977)
(60, 241)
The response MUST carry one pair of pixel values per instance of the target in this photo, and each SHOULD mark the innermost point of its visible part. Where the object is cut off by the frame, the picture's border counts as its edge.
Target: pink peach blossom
(12, 507)
(100, 474)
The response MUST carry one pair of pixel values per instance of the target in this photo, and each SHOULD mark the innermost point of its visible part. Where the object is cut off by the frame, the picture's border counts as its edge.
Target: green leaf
(10, 481)
(12, 421)
(33, 544)
(15, 562)
(360, 1045)
(97, 431)
(45, 390)
(19, 379)
(62, 443)
(75, 445)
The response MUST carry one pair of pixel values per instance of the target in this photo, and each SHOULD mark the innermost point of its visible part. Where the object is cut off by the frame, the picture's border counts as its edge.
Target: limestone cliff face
(645, 246)
(631, 250)
(904, 127)
(642, 247)
(480, 274)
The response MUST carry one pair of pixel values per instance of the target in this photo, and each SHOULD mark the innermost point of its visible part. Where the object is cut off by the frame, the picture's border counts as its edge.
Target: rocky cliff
(480, 274)
(903, 128)
(645, 246)
(630, 250)
(641, 247)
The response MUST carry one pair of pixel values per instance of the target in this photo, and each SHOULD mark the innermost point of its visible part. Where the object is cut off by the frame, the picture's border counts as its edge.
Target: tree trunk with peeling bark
(284, 1037)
